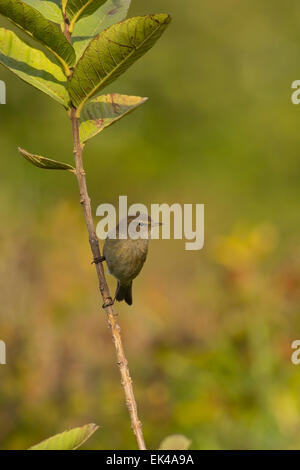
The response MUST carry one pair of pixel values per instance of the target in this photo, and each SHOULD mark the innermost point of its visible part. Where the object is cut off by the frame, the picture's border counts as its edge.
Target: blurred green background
(209, 335)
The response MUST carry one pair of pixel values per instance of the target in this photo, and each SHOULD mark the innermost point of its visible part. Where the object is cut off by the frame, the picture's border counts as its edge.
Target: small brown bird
(126, 257)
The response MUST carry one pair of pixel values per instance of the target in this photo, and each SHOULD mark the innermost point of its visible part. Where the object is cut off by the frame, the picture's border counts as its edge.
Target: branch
(85, 201)
(104, 289)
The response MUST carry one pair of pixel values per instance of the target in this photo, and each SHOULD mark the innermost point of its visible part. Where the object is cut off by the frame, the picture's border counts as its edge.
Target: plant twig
(104, 289)
(85, 201)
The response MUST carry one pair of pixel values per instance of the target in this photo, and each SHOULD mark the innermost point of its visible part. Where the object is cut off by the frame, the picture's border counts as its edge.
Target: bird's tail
(124, 293)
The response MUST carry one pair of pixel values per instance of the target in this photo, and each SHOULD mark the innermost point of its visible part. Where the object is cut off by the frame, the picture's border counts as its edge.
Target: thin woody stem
(66, 30)
(85, 201)
(104, 289)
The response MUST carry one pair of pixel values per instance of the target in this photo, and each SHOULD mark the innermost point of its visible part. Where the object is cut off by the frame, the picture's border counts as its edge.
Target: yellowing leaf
(38, 27)
(32, 66)
(104, 111)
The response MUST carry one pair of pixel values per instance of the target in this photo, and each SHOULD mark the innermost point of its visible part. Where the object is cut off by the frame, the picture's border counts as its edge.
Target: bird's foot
(98, 260)
(108, 302)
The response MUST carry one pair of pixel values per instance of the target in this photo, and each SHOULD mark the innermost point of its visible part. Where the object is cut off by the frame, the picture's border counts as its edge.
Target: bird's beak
(156, 224)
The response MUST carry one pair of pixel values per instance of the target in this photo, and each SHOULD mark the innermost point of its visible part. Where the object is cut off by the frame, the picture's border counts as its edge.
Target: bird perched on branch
(126, 257)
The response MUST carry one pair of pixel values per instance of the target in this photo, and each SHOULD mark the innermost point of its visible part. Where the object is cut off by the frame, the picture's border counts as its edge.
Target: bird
(126, 257)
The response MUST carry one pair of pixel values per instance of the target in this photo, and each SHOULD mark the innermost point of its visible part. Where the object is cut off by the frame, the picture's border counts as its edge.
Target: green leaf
(76, 9)
(68, 440)
(175, 442)
(111, 53)
(37, 26)
(45, 163)
(87, 28)
(51, 9)
(104, 111)
(32, 66)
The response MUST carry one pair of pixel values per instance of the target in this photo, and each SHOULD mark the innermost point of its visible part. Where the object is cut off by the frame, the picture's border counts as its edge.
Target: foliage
(88, 28)
(77, 9)
(111, 53)
(32, 22)
(175, 442)
(38, 70)
(68, 440)
(45, 163)
(104, 111)
(51, 9)
(108, 55)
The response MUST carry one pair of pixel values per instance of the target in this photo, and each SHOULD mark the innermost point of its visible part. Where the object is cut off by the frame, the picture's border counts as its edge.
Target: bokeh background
(209, 335)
